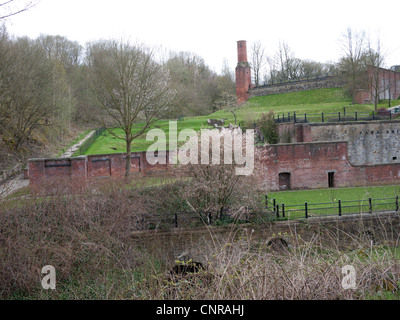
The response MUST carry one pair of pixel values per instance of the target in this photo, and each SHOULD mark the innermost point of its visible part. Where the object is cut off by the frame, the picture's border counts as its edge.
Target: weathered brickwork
(384, 83)
(83, 168)
(243, 74)
(307, 166)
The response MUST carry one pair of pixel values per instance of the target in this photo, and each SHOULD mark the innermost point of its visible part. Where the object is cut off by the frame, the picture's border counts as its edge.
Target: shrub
(269, 127)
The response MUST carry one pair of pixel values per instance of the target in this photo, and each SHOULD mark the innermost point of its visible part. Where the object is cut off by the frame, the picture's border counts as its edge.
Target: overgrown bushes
(87, 238)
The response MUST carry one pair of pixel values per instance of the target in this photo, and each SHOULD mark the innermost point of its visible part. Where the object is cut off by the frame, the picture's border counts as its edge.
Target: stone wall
(207, 243)
(369, 142)
(320, 83)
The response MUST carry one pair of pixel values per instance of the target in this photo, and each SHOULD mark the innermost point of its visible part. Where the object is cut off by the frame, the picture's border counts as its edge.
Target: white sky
(211, 28)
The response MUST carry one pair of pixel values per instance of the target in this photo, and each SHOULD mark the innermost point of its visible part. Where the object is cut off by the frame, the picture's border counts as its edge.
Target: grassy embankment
(312, 101)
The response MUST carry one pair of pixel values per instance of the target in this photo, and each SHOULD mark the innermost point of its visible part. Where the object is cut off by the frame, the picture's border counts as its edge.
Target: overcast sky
(211, 28)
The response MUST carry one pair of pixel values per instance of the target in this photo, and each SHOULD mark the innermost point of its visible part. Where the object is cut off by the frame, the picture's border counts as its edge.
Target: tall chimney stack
(243, 73)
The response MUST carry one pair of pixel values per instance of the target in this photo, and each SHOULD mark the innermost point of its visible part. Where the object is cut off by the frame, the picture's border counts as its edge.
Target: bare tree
(228, 101)
(258, 60)
(11, 8)
(289, 64)
(375, 61)
(353, 62)
(131, 86)
(27, 88)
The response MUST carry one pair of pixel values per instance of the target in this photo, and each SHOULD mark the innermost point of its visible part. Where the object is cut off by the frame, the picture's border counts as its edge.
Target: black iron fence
(272, 211)
(332, 117)
(334, 208)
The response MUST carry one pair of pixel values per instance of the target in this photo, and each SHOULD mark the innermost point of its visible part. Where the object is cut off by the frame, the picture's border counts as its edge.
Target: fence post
(306, 209)
(294, 116)
(283, 210)
(340, 208)
(274, 204)
(176, 220)
(373, 115)
(344, 111)
(356, 115)
(266, 201)
(277, 211)
(305, 117)
(397, 203)
(339, 116)
(322, 117)
(370, 205)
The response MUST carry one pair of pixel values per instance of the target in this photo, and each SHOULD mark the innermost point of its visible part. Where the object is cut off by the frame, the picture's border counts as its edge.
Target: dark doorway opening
(331, 179)
(284, 181)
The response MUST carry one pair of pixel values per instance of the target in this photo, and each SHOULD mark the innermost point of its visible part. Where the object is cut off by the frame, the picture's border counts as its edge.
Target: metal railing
(332, 117)
(334, 208)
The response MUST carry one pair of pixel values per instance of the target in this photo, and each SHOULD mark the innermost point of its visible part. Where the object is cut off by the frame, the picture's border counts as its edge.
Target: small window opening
(331, 179)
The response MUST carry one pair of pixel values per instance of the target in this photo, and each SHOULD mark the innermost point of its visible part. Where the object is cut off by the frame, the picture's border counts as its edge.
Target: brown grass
(87, 238)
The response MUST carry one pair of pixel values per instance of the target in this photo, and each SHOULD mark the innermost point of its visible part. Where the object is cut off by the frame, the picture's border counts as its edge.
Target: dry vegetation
(87, 238)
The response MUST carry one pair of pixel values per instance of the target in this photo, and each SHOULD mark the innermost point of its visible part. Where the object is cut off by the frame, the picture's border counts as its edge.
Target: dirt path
(76, 146)
(17, 182)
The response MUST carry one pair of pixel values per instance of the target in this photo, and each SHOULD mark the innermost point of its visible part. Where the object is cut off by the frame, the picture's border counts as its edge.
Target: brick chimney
(243, 73)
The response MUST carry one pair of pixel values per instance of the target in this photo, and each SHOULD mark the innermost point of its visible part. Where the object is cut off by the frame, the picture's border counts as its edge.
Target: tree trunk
(128, 159)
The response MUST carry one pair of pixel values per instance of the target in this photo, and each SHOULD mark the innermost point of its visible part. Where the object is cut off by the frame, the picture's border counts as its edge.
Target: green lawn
(108, 143)
(313, 101)
(326, 201)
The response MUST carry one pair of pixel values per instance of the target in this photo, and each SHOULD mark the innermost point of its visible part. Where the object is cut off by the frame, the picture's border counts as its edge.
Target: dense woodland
(47, 92)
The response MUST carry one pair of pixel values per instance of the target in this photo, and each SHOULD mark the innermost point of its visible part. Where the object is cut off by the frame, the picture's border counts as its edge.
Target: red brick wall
(307, 163)
(310, 163)
(86, 167)
(388, 86)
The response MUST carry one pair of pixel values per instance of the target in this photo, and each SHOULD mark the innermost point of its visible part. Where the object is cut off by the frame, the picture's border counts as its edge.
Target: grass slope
(333, 195)
(311, 101)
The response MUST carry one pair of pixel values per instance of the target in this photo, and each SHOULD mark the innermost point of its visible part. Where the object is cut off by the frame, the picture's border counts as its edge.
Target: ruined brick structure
(321, 155)
(84, 168)
(326, 155)
(243, 74)
(320, 165)
(383, 83)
